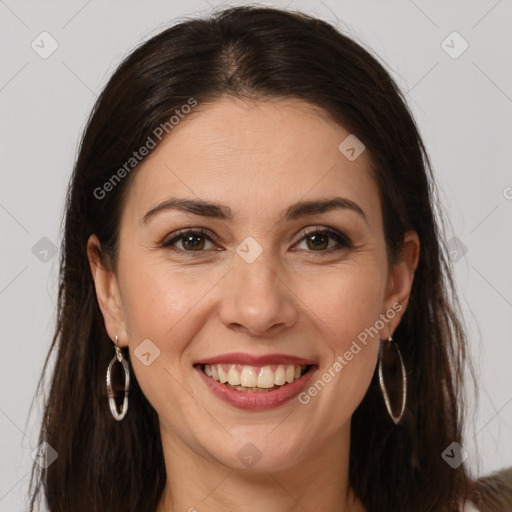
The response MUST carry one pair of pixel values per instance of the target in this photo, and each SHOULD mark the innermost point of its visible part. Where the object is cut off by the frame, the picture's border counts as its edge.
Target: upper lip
(252, 360)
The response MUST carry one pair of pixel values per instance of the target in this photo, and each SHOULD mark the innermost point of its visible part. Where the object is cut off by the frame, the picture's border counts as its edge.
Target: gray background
(463, 107)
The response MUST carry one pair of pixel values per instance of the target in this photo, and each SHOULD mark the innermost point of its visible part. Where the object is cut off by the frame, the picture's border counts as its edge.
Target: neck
(197, 482)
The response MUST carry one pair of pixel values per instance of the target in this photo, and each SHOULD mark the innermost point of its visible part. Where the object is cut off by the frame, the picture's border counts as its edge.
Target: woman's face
(256, 290)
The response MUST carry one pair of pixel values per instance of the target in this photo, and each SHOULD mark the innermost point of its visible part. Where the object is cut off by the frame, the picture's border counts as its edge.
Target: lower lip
(257, 400)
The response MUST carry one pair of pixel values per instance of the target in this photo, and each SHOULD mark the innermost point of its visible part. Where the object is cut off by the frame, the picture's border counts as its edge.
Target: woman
(254, 306)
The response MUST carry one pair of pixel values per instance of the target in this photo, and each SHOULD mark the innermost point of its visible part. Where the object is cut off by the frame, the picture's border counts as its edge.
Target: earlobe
(107, 292)
(401, 279)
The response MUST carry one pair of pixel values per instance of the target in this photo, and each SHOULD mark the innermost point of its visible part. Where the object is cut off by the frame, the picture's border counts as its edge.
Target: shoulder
(492, 493)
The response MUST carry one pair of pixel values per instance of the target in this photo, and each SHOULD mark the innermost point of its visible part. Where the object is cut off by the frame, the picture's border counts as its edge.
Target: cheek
(345, 301)
(157, 300)
(162, 305)
(347, 306)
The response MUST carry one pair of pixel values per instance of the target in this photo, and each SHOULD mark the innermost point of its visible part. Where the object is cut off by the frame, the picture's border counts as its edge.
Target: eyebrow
(218, 211)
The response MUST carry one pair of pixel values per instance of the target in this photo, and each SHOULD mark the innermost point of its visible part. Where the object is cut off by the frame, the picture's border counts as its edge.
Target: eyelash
(341, 239)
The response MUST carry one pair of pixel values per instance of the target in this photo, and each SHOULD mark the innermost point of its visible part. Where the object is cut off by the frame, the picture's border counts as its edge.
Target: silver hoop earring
(111, 398)
(390, 343)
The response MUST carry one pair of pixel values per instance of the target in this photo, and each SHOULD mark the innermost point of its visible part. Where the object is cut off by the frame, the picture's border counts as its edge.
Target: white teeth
(233, 376)
(223, 377)
(280, 375)
(265, 377)
(242, 376)
(248, 377)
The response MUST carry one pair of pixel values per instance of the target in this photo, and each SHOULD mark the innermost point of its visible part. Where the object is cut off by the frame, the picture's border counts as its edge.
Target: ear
(400, 281)
(107, 293)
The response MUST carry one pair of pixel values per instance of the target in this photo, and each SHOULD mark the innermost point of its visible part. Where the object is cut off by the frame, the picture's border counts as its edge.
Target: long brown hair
(253, 53)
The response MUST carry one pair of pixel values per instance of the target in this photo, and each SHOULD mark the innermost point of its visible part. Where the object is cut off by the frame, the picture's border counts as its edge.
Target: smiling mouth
(255, 379)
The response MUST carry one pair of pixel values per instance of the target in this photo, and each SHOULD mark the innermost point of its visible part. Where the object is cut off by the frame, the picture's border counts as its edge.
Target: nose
(256, 300)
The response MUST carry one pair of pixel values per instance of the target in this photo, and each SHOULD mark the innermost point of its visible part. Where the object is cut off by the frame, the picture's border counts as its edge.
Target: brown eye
(318, 240)
(191, 240)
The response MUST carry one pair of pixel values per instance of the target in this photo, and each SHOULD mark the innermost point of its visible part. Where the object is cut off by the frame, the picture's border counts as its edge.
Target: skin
(295, 298)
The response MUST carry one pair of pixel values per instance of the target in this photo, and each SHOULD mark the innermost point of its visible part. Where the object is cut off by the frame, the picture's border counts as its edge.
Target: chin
(257, 450)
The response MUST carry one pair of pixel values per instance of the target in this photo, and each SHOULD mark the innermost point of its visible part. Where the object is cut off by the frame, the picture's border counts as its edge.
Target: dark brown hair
(252, 53)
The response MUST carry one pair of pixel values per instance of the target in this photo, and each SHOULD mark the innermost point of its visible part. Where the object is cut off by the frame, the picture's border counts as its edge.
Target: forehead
(256, 157)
